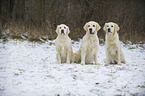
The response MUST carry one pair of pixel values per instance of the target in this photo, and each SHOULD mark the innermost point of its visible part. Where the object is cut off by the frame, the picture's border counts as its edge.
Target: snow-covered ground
(30, 69)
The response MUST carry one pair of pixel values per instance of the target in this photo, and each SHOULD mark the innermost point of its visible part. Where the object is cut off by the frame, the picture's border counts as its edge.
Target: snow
(30, 69)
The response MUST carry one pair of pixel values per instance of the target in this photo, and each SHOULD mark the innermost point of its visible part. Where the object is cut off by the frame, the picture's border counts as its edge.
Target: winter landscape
(28, 65)
(30, 69)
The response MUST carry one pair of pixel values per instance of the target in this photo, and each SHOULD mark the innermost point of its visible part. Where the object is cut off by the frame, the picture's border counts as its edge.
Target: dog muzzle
(62, 32)
(91, 31)
(109, 30)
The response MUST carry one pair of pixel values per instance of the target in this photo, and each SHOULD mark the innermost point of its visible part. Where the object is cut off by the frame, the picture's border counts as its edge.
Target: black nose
(109, 30)
(62, 31)
(90, 29)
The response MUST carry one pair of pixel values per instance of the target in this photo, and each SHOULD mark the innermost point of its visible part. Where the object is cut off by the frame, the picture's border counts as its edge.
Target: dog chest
(112, 49)
(64, 49)
(91, 46)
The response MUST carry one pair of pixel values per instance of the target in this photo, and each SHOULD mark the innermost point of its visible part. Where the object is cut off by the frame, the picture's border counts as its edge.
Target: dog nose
(109, 30)
(90, 29)
(62, 31)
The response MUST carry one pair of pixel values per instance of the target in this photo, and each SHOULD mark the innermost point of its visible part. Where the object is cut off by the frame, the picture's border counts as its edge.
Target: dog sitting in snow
(114, 53)
(63, 45)
(90, 44)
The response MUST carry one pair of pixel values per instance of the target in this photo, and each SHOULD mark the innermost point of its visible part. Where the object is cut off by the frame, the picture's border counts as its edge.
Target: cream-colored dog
(90, 44)
(114, 53)
(63, 45)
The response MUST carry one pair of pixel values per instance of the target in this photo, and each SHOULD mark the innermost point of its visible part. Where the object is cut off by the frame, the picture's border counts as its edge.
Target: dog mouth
(91, 31)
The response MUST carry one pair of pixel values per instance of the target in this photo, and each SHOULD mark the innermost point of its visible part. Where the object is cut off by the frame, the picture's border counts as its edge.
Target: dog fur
(63, 45)
(90, 44)
(114, 53)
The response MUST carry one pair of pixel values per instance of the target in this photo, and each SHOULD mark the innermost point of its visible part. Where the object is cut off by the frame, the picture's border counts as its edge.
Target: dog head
(92, 27)
(62, 29)
(111, 27)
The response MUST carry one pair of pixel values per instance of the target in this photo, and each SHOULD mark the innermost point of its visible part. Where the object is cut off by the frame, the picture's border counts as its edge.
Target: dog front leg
(95, 58)
(118, 57)
(83, 55)
(68, 57)
(58, 58)
(107, 59)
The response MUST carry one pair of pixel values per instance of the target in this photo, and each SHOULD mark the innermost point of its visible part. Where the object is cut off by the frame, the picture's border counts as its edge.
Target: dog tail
(77, 56)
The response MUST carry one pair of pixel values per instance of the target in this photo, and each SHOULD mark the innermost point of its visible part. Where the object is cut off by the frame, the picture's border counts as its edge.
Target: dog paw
(59, 62)
(68, 62)
(119, 63)
(82, 63)
(124, 62)
(97, 63)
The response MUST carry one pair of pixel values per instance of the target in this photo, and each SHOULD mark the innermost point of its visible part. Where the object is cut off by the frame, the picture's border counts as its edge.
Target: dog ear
(98, 27)
(86, 27)
(104, 28)
(116, 27)
(68, 31)
(57, 29)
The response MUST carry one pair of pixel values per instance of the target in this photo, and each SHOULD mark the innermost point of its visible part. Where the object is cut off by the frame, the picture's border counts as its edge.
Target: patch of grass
(16, 74)
(135, 94)
(141, 86)
(97, 83)
(132, 48)
(50, 76)
(119, 95)
(118, 89)
(22, 70)
(74, 77)
(58, 95)
(50, 43)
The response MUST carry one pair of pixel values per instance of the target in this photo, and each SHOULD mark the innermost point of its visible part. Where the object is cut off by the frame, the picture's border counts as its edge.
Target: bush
(39, 18)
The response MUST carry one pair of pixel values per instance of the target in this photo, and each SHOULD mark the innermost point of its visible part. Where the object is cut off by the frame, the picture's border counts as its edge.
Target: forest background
(35, 19)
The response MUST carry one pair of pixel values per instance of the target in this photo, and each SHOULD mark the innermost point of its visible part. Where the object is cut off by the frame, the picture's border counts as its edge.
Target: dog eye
(107, 26)
(93, 25)
(111, 25)
(64, 27)
(88, 25)
(59, 27)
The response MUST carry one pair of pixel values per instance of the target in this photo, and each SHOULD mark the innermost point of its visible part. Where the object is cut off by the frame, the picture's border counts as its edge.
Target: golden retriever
(63, 45)
(114, 53)
(90, 44)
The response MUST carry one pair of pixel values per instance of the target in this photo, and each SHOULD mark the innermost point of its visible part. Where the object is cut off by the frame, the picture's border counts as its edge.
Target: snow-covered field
(30, 69)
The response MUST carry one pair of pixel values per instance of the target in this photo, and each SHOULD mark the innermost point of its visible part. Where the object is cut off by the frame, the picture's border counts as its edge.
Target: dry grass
(128, 14)
(35, 33)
